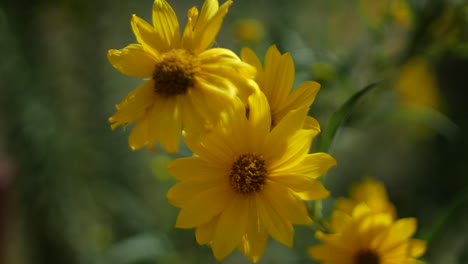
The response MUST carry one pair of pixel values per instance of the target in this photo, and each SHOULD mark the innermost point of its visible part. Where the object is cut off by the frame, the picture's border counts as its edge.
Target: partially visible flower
(249, 29)
(417, 85)
(248, 181)
(368, 238)
(188, 86)
(373, 11)
(276, 79)
(401, 14)
(370, 192)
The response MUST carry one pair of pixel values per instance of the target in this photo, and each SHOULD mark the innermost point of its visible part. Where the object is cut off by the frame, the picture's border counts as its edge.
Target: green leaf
(340, 115)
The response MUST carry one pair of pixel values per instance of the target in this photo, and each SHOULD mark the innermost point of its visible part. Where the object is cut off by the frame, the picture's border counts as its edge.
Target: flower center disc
(367, 257)
(248, 174)
(175, 73)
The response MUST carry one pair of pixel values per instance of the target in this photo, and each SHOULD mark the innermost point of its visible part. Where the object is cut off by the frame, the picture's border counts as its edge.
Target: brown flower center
(175, 73)
(248, 174)
(367, 257)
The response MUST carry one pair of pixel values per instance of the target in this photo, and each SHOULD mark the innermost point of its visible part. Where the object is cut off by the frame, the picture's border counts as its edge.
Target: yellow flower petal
(277, 227)
(154, 121)
(170, 124)
(211, 203)
(259, 121)
(132, 60)
(299, 146)
(417, 247)
(400, 231)
(288, 205)
(208, 25)
(183, 192)
(313, 165)
(139, 136)
(254, 241)
(330, 255)
(279, 77)
(193, 168)
(147, 37)
(134, 106)
(339, 220)
(204, 233)
(303, 96)
(251, 58)
(289, 125)
(230, 228)
(305, 187)
(165, 23)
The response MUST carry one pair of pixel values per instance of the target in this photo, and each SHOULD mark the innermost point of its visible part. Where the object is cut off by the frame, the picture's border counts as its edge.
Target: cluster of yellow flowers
(250, 132)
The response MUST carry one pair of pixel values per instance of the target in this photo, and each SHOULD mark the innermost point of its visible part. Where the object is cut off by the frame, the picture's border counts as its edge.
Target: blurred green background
(71, 190)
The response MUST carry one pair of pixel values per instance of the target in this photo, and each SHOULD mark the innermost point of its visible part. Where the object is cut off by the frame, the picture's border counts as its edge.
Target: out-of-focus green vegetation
(71, 190)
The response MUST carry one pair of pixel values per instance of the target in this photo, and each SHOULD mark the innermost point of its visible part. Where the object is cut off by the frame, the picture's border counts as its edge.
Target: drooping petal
(154, 121)
(171, 124)
(204, 233)
(277, 227)
(132, 60)
(165, 23)
(287, 204)
(135, 105)
(187, 38)
(254, 242)
(203, 207)
(139, 136)
(231, 227)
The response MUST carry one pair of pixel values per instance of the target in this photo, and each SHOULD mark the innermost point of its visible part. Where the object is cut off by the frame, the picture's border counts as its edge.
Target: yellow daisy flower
(368, 238)
(370, 192)
(188, 84)
(276, 80)
(247, 181)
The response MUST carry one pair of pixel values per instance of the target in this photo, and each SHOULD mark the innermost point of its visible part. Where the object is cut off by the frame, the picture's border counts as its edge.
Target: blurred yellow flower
(247, 181)
(276, 80)
(401, 14)
(249, 29)
(368, 238)
(417, 84)
(189, 85)
(373, 11)
(370, 192)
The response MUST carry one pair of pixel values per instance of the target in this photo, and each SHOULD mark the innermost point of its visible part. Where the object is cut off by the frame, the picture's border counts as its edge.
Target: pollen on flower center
(175, 73)
(367, 257)
(248, 174)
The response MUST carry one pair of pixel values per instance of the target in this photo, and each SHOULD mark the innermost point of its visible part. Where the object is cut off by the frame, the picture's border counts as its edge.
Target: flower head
(188, 85)
(276, 79)
(248, 181)
(370, 192)
(368, 238)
